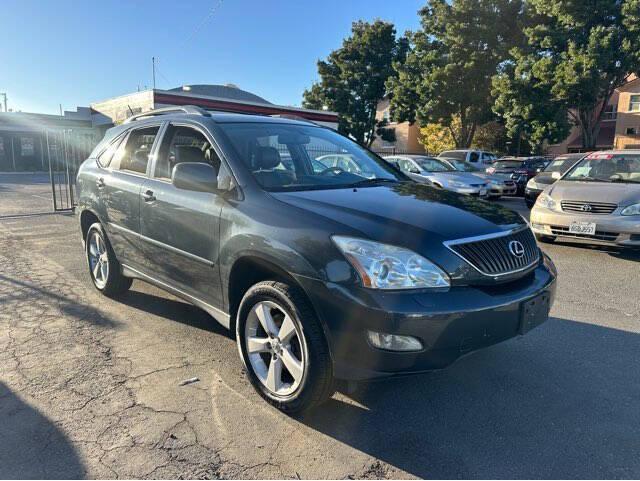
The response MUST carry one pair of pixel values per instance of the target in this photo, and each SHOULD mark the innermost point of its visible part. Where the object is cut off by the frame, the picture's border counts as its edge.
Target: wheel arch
(87, 218)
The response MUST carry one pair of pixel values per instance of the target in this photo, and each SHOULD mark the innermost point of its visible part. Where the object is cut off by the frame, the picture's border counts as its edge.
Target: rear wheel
(283, 347)
(104, 268)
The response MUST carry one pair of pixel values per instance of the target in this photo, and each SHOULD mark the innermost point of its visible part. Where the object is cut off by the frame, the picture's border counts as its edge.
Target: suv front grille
(585, 207)
(599, 235)
(492, 255)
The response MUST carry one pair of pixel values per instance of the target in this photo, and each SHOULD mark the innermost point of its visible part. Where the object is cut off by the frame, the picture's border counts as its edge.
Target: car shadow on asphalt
(629, 254)
(172, 309)
(25, 292)
(31, 446)
(561, 402)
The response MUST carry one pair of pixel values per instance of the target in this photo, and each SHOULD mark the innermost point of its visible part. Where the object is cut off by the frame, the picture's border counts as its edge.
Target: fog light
(392, 342)
(540, 228)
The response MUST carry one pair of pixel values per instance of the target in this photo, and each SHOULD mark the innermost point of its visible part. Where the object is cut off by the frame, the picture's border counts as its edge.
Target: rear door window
(133, 154)
(184, 144)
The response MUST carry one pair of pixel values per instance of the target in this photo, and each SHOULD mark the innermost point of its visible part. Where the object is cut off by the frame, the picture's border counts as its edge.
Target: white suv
(475, 157)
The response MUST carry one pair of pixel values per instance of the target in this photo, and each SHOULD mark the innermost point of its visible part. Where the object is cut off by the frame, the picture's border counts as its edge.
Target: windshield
(509, 164)
(431, 164)
(607, 168)
(560, 164)
(285, 157)
(464, 166)
(454, 154)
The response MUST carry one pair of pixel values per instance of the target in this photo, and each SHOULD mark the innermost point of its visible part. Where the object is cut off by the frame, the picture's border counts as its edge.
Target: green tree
(352, 78)
(576, 55)
(446, 78)
(529, 114)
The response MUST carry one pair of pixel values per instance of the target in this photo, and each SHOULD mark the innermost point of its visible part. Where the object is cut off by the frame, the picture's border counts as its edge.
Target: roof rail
(187, 109)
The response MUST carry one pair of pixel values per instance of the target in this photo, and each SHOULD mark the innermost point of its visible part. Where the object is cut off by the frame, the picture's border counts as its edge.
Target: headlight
(455, 183)
(382, 266)
(545, 200)
(633, 209)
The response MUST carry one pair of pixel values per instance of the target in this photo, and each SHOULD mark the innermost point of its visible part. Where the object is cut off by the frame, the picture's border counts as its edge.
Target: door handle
(148, 196)
(100, 183)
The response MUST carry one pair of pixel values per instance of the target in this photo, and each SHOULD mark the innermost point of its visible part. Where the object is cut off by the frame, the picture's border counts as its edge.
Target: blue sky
(78, 52)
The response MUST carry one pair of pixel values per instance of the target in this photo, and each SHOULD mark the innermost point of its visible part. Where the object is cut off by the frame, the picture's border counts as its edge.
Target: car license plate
(534, 312)
(483, 192)
(588, 228)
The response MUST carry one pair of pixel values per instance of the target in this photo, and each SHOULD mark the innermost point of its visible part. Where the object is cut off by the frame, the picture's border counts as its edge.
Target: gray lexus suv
(320, 273)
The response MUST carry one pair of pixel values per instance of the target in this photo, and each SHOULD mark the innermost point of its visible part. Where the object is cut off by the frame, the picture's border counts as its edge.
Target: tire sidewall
(269, 292)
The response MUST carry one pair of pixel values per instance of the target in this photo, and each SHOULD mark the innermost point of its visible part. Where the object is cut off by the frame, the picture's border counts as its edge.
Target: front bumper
(611, 229)
(449, 323)
(531, 195)
(475, 191)
(499, 190)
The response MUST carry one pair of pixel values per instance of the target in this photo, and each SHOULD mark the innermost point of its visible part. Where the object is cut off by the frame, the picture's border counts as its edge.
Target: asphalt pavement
(90, 387)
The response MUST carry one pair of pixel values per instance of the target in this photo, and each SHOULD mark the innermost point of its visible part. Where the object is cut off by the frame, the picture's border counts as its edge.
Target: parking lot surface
(90, 387)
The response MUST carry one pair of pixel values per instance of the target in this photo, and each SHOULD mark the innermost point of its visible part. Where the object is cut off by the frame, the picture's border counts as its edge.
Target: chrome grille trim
(595, 207)
(490, 256)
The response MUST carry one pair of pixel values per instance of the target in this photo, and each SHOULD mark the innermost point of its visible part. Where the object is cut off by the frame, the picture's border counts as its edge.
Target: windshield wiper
(375, 181)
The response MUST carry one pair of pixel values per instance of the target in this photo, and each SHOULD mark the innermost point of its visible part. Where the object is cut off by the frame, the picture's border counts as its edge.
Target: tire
(273, 353)
(106, 277)
(545, 238)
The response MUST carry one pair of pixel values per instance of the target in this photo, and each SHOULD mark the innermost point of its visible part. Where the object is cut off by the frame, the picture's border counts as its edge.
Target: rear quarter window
(104, 158)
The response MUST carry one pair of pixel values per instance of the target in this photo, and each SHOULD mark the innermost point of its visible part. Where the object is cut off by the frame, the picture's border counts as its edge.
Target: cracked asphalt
(90, 387)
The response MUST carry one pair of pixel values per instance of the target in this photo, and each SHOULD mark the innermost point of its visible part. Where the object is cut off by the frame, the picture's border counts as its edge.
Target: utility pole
(153, 64)
(5, 100)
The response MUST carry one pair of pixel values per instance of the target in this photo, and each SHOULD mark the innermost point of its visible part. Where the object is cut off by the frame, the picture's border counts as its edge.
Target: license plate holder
(534, 312)
(584, 228)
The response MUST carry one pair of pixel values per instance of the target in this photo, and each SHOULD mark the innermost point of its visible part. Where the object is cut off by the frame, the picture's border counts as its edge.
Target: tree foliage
(352, 78)
(446, 78)
(576, 55)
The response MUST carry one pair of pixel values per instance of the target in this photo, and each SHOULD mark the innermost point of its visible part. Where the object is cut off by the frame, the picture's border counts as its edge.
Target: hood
(544, 178)
(406, 213)
(619, 193)
(464, 177)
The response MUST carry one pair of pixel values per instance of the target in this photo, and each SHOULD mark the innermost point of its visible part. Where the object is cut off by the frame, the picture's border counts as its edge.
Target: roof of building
(228, 91)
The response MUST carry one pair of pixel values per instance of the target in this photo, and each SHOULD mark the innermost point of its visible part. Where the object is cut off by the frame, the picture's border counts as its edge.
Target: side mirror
(195, 176)
(413, 170)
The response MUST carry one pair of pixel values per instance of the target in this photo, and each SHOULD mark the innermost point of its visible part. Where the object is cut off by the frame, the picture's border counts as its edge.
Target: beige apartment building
(407, 135)
(620, 127)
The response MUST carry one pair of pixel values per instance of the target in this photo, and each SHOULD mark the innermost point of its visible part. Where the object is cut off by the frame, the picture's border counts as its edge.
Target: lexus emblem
(516, 248)
(586, 208)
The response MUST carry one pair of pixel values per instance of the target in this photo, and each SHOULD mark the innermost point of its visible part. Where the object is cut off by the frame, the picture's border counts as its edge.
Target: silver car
(439, 173)
(597, 200)
(499, 185)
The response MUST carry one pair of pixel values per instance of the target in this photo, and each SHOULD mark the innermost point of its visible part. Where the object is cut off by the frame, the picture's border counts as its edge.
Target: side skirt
(219, 315)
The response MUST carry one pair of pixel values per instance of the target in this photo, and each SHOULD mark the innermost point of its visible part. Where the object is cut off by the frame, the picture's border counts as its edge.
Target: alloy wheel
(98, 260)
(276, 348)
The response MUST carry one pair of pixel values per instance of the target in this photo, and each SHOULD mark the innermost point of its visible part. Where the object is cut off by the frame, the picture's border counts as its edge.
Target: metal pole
(13, 153)
(153, 64)
(53, 187)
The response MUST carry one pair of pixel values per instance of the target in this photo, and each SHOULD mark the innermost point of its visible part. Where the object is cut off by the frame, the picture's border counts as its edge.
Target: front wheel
(104, 267)
(283, 347)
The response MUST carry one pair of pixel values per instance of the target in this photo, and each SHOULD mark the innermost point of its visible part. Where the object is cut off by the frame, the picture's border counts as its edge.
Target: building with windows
(28, 140)
(620, 125)
(406, 134)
